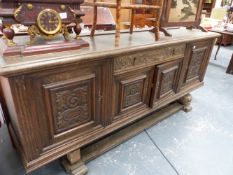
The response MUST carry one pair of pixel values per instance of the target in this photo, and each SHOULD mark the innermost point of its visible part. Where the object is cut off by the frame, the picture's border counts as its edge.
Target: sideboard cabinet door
(60, 105)
(166, 80)
(198, 56)
(131, 92)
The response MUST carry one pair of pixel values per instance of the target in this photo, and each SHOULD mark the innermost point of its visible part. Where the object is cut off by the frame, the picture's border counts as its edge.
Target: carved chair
(156, 7)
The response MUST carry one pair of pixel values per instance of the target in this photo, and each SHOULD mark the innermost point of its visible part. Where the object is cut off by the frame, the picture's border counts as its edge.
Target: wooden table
(223, 33)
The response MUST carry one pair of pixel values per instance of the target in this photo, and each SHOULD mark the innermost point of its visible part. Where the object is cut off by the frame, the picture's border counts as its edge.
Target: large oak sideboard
(60, 102)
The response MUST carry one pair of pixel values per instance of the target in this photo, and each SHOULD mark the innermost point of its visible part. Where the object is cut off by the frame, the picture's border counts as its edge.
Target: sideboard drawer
(148, 58)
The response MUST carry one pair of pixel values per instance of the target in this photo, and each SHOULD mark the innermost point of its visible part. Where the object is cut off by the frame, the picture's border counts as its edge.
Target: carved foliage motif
(148, 57)
(72, 107)
(195, 63)
(70, 104)
(133, 94)
(167, 81)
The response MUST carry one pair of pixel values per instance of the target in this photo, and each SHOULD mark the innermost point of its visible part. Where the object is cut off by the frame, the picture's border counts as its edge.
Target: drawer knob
(194, 47)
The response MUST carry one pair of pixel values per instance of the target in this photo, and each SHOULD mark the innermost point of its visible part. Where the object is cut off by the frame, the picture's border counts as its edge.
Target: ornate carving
(33, 31)
(148, 57)
(167, 82)
(133, 94)
(71, 107)
(195, 63)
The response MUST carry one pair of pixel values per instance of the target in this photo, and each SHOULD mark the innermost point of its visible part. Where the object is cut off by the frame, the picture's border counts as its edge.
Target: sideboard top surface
(101, 46)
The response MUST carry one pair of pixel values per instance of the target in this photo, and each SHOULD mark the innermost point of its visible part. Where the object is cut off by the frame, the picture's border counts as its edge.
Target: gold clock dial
(49, 21)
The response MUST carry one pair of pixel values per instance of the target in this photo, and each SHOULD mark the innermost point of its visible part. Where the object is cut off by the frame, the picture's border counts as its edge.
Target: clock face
(49, 21)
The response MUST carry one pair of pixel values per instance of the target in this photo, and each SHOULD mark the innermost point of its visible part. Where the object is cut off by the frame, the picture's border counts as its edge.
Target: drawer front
(148, 58)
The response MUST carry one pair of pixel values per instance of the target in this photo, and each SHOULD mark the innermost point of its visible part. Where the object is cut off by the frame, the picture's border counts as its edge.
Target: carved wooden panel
(146, 58)
(166, 79)
(197, 62)
(67, 102)
(132, 91)
(71, 102)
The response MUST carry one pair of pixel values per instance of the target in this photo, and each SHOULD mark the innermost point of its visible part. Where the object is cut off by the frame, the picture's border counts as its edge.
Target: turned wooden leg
(118, 21)
(73, 163)
(156, 28)
(132, 21)
(230, 66)
(186, 101)
(94, 20)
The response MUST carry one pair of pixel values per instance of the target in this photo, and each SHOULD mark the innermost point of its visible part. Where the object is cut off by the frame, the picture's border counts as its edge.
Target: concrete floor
(195, 143)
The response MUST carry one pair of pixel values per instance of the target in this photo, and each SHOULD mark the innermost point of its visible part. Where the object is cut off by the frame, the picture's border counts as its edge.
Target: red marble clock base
(41, 48)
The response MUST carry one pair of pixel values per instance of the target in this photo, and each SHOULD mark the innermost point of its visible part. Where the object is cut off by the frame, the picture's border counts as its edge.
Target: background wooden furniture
(185, 12)
(225, 38)
(118, 6)
(141, 15)
(230, 66)
(105, 20)
(59, 103)
(208, 5)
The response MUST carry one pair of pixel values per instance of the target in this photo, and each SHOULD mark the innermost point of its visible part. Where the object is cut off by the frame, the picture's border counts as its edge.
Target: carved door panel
(166, 79)
(67, 102)
(198, 54)
(131, 92)
(71, 103)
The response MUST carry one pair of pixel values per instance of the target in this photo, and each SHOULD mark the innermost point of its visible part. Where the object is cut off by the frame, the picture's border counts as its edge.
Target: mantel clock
(46, 18)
